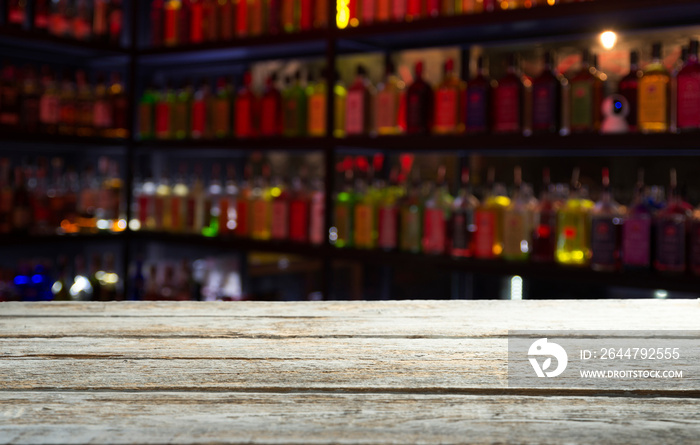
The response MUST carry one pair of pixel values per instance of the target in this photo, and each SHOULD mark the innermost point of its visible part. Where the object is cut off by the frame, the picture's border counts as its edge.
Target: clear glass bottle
(545, 222)
(606, 225)
(517, 222)
(463, 221)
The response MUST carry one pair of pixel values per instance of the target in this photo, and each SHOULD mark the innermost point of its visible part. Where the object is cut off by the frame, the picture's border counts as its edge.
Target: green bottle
(411, 217)
(573, 226)
(147, 113)
(343, 213)
(294, 98)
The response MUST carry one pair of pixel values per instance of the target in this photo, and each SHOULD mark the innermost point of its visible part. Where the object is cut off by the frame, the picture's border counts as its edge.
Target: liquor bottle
(178, 202)
(164, 111)
(100, 20)
(636, 230)
(411, 216)
(102, 119)
(299, 209)
(227, 203)
(241, 18)
(271, 109)
(49, 103)
(688, 91)
(9, 99)
(146, 204)
(84, 107)
(256, 18)
(41, 16)
(88, 202)
(368, 9)
(340, 94)
(384, 10)
(58, 18)
(317, 227)
(388, 213)
(694, 259)
(200, 127)
(82, 23)
(573, 226)
(306, 15)
(157, 26)
(653, 104)
(628, 88)
(197, 211)
(115, 21)
(212, 203)
(260, 206)
(545, 223)
(415, 9)
(478, 100)
(162, 205)
(147, 113)
(448, 107)
(171, 22)
(244, 204)
(546, 99)
(294, 104)
(274, 16)
(517, 222)
(221, 110)
(244, 110)
(398, 10)
(387, 102)
(488, 238)
(279, 210)
(66, 123)
(194, 9)
(358, 105)
(290, 15)
(210, 21)
(321, 14)
(343, 212)
(671, 226)
(419, 104)
(365, 210)
(180, 116)
(225, 13)
(436, 214)
(30, 102)
(606, 224)
(463, 226)
(586, 90)
(508, 101)
(316, 93)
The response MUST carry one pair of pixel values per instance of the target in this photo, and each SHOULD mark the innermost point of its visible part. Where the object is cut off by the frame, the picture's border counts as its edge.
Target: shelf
(243, 49)
(562, 20)
(10, 137)
(544, 145)
(17, 42)
(546, 271)
(263, 143)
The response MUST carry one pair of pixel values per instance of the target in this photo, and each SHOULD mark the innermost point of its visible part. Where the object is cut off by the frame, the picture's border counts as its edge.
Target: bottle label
(199, 119)
(653, 101)
(410, 230)
(67, 113)
(386, 110)
(242, 217)
(670, 243)
(399, 11)
(49, 110)
(317, 115)
(196, 22)
(485, 233)
(342, 222)
(364, 225)
(695, 246)
(507, 113)
(383, 10)
(288, 13)
(316, 228)
(103, 116)
(242, 18)
(260, 216)
(299, 220)
(256, 18)
(368, 9)
(269, 124)
(604, 242)
(226, 15)
(689, 101)
(115, 23)
(306, 14)
(582, 105)
(170, 26)
(243, 117)
(162, 118)
(446, 109)
(636, 236)
(434, 231)
(515, 234)
(476, 109)
(221, 116)
(354, 114)
(543, 106)
(387, 227)
(16, 15)
(280, 219)
(414, 8)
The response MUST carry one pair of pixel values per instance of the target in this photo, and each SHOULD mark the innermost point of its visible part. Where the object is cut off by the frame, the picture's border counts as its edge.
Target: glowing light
(275, 192)
(135, 225)
(660, 294)
(608, 39)
(516, 288)
(333, 234)
(524, 248)
(342, 16)
(121, 224)
(36, 279)
(57, 287)
(103, 224)
(80, 285)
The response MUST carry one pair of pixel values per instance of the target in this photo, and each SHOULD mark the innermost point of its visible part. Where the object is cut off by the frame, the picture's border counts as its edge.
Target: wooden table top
(318, 372)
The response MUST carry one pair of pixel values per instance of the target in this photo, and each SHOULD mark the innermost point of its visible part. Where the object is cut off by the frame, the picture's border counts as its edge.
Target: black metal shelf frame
(573, 19)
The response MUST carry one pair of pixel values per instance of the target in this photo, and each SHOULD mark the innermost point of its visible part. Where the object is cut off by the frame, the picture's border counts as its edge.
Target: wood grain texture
(321, 372)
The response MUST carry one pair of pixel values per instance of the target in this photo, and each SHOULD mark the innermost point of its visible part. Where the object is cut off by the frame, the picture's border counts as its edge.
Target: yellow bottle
(340, 93)
(653, 95)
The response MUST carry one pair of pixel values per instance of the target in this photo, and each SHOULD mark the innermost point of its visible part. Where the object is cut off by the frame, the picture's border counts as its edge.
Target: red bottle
(299, 208)
(628, 89)
(507, 101)
(17, 14)
(546, 99)
(200, 116)
(196, 20)
(115, 21)
(210, 21)
(688, 95)
(242, 18)
(271, 109)
(419, 104)
(244, 110)
(41, 16)
(243, 204)
(225, 13)
(307, 15)
(100, 30)
(157, 14)
(183, 20)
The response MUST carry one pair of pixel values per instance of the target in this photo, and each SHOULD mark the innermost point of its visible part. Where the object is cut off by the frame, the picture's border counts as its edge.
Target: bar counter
(319, 372)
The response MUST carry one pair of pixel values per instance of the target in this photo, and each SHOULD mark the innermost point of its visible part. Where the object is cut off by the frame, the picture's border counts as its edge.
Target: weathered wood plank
(434, 319)
(311, 418)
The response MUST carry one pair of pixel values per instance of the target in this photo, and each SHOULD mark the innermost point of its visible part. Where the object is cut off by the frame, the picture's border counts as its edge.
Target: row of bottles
(563, 226)
(183, 22)
(365, 12)
(32, 102)
(93, 20)
(40, 280)
(47, 198)
(517, 104)
(257, 206)
(205, 112)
